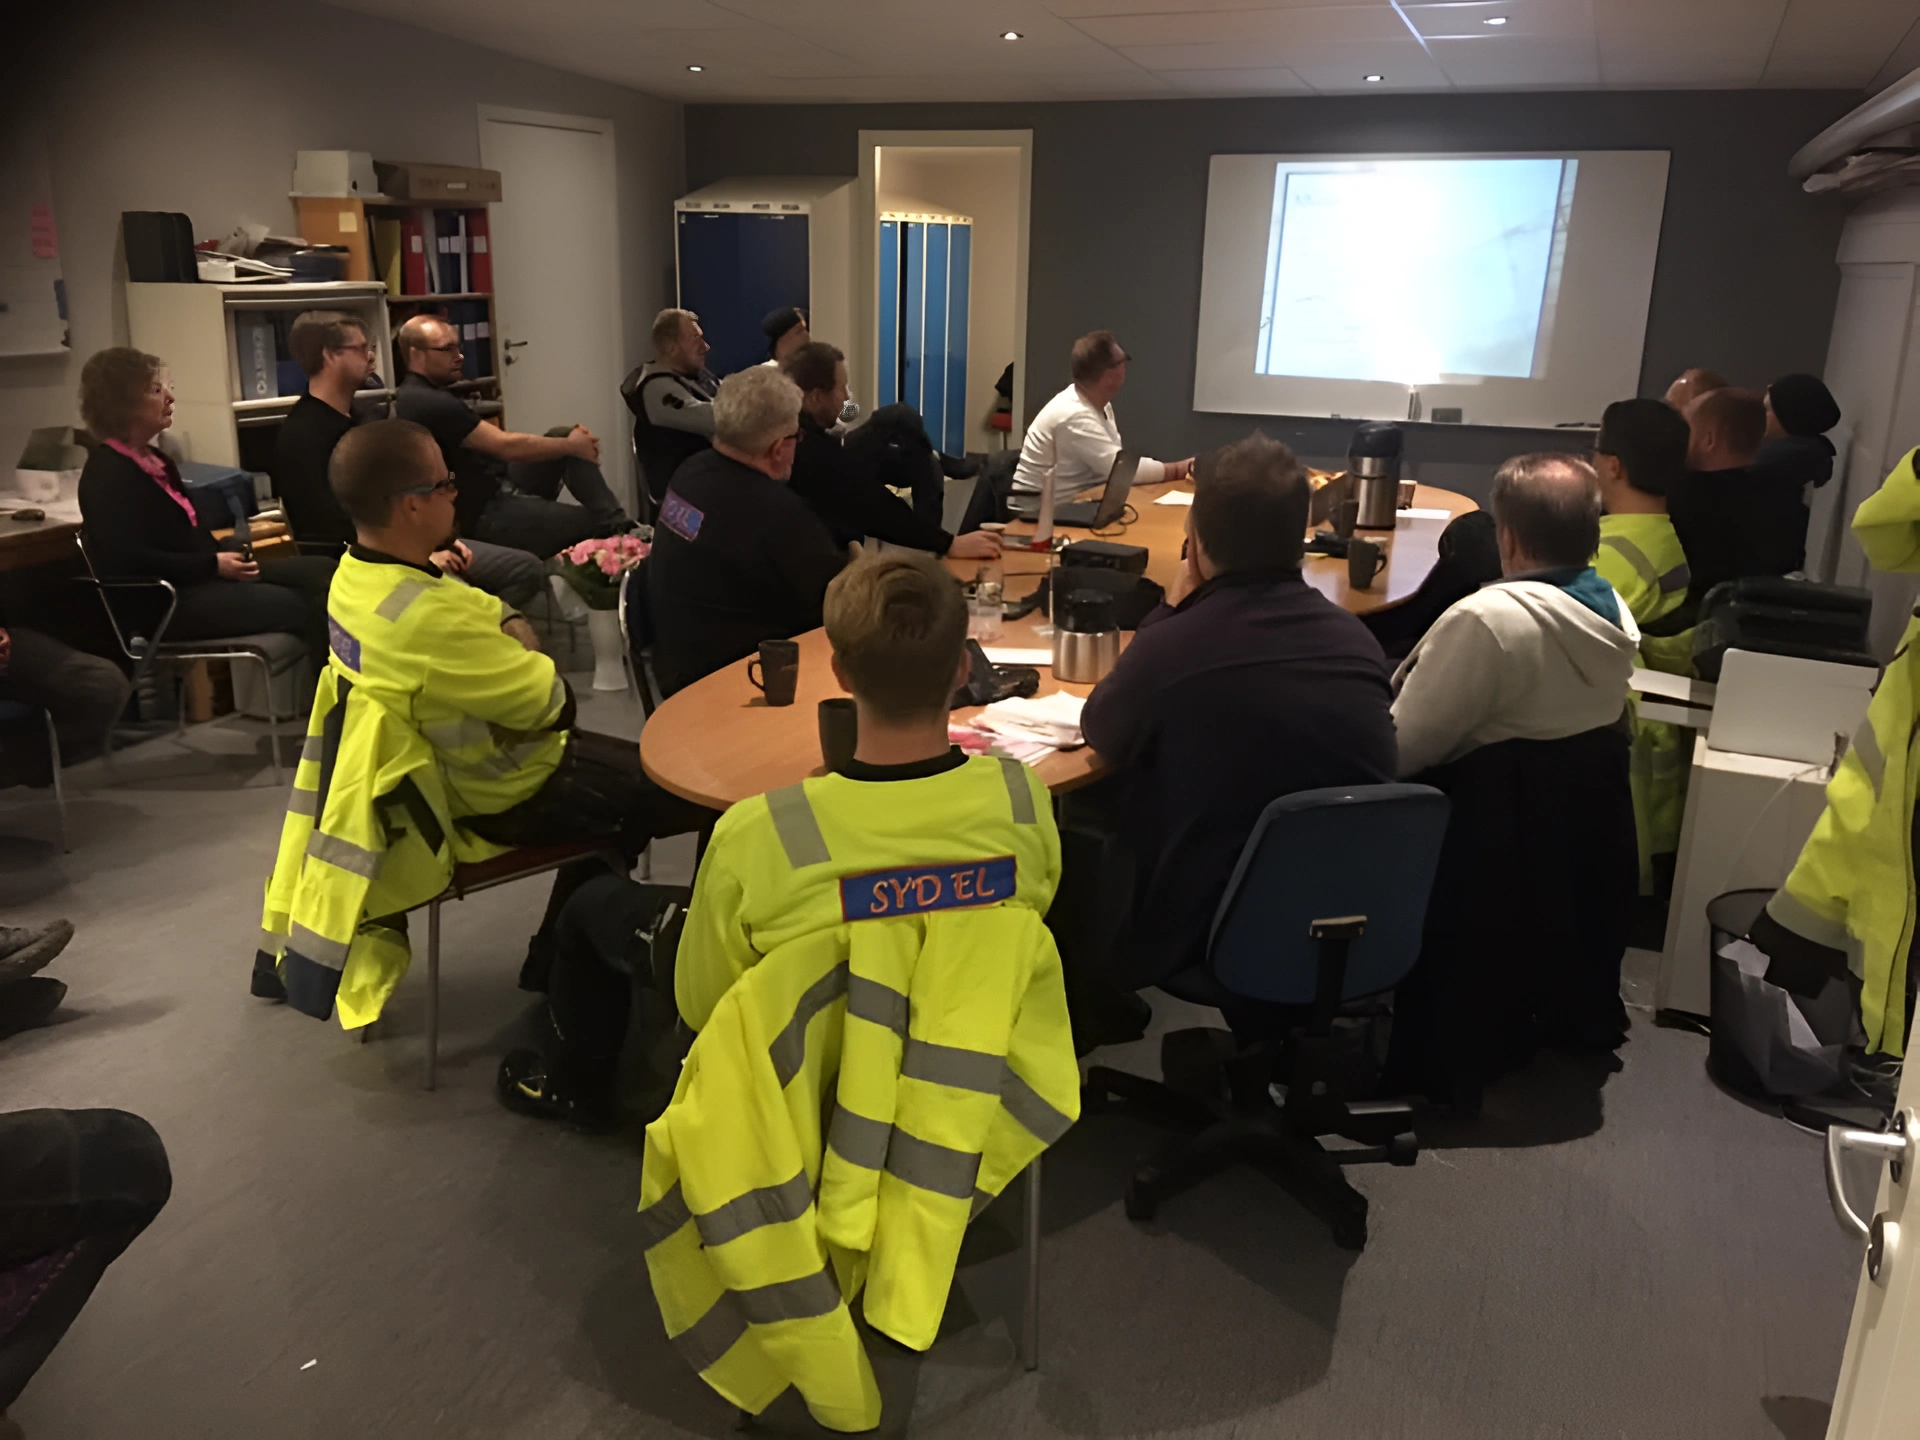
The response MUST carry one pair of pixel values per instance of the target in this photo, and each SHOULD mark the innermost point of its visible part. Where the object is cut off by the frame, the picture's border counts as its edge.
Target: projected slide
(1413, 270)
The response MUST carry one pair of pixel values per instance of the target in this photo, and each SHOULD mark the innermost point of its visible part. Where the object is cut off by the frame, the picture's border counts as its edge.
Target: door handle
(509, 347)
(1891, 1146)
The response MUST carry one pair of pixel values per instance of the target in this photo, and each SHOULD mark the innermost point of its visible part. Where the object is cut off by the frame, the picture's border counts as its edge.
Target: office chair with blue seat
(1324, 908)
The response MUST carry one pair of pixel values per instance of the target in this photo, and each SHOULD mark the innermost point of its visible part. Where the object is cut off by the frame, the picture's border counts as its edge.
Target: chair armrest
(165, 587)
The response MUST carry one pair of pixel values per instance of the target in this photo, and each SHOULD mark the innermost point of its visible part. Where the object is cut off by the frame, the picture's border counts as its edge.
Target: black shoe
(1111, 1020)
(26, 1004)
(266, 978)
(526, 1086)
(24, 951)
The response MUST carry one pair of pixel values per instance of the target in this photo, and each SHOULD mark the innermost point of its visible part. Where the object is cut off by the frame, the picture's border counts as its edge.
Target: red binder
(479, 252)
(413, 255)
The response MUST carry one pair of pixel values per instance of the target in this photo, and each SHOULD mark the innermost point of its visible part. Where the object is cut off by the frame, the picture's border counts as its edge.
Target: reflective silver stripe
(881, 1004)
(313, 748)
(399, 598)
(454, 734)
(980, 1202)
(859, 1140)
(802, 1299)
(799, 832)
(1633, 555)
(1794, 914)
(304, 802)
(932, 1167)
(755, 1210)
(317, 948)
(1678, 578)
(344, 855)
(1017, 791)
(1027, 1106)
(270, 942)
(702, 1343)
(1866, 745)
(557, 697)
(788, 1052)
(663, 1219)
(950, 1065)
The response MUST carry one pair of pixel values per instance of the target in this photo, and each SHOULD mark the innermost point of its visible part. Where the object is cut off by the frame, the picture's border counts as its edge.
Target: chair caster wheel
(1142, 1204)
(1350, 1232)
(1403, 1149)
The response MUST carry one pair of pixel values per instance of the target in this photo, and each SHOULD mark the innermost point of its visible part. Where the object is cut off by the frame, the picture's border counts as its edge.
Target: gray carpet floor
(1604, 1254)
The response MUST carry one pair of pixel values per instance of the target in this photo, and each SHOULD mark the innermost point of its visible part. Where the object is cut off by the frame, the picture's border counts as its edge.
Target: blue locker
(959, 284)
(933, 341)
(913, 306)
(734, 268)
(889, 312)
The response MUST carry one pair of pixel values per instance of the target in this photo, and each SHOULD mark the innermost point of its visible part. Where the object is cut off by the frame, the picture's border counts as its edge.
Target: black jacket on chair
(135, 530)
(1528, 918)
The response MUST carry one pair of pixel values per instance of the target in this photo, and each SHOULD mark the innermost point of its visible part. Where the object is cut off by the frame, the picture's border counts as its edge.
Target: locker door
(913, 300)
(889, 389)
(734, 269)
(959, 292)
(933, 402)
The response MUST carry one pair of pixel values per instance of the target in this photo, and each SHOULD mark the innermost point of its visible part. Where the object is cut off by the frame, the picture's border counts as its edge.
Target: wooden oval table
(718, 741)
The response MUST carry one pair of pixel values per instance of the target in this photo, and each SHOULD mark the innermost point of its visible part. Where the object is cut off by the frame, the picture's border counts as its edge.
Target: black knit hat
(1803, 405)
(779, 322)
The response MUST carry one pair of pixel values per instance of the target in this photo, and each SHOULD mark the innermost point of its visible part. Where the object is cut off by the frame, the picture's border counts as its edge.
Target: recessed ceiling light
(696, 69)
(1011, 35)
(1494, 20)
(1373, 79)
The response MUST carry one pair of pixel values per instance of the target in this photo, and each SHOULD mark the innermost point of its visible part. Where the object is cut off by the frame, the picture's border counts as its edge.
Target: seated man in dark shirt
(842, 488)
(333, 350)
(737, 557)
(1246, 685)
(1732, 520)
(509, 482)
(1800, 412)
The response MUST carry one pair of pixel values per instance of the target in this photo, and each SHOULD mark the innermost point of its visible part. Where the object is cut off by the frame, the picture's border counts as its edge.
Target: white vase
(609, 665)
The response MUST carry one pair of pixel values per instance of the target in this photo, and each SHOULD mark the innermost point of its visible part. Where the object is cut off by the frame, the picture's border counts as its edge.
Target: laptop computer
(1087, 514)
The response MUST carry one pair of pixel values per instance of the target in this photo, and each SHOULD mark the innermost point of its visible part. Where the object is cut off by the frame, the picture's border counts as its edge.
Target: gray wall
(1745, 281)
(199, 105)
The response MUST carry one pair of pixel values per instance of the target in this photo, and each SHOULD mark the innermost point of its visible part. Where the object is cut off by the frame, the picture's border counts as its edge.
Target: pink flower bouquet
(593, 568)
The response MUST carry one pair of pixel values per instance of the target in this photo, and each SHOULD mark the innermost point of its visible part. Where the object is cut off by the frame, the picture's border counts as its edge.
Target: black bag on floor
(1767, 1042)
(1774, 616)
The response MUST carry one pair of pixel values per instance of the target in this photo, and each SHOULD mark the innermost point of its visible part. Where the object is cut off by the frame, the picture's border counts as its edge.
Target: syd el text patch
(917, 889)
(680, 517)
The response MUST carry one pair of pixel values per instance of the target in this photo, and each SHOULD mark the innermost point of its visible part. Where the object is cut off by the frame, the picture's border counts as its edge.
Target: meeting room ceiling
(873, 50)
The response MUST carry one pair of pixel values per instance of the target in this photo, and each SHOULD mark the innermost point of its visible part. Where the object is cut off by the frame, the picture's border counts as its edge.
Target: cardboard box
(405, 180)
(341, 173)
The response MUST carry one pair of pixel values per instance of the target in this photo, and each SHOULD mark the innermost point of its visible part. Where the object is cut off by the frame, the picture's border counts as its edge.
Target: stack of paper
(1052, 720)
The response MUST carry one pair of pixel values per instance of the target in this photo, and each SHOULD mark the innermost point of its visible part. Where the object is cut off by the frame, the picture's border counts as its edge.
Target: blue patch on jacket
(916, 889)
(342, 644)
(680, 517)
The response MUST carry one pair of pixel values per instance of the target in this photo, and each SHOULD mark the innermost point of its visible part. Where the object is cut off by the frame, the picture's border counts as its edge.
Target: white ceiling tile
(1337, 68)
(1140, 83)
(1243, 27)
(1685, 42)
(1837, 42)
(1078, 9)
(1271, 81)
(1167, 58)
(1905, 58)
(1541, 19)
(1504, 62)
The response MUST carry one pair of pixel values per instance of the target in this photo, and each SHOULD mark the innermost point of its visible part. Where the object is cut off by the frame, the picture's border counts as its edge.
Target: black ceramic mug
(1364, 561)
(839, 733)
(779, 662)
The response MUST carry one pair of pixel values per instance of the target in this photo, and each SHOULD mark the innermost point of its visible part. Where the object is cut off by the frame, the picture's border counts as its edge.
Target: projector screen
(1513, 288)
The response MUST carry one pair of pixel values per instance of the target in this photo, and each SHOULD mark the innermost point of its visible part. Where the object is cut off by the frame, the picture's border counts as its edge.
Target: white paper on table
(1053, 719)
(1413, 514)
(1176, 497)
(975, 741)
(1017, 655)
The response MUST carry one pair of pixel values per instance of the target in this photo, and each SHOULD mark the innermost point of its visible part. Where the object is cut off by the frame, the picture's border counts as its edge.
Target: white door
(556, 278)
(1879, 1392)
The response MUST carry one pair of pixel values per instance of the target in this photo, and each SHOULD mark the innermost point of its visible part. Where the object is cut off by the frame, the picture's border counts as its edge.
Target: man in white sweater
(1543, 653)
(1072, 442)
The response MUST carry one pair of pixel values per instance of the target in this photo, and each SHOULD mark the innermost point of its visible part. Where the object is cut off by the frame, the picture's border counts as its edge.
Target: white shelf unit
(191, 328)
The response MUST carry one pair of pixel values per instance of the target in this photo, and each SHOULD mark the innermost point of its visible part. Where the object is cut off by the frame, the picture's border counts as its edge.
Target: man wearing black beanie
(1800, 411)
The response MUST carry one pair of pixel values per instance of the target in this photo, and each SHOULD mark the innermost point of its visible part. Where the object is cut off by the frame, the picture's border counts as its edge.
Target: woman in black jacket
(140, 524)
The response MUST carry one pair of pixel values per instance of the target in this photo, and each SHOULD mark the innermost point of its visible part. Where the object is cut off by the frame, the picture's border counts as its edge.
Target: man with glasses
(333, 349)
(737, 557)
(509, 482)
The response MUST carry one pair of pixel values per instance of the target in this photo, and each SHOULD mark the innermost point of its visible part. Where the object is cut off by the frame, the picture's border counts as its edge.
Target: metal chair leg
(59, 790)
(273, 720)
(433, 992)
(1030, 1318)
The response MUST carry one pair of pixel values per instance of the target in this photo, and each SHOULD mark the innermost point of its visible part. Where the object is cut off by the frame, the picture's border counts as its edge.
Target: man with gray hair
(1543, 653)
(671, 398)
(737, 557)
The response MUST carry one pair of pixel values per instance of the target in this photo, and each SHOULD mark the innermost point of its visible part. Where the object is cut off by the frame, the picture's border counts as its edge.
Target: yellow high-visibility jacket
(1640, 556)
(367, 835)
(426, 712)
(851, 1103)
(1852, 889)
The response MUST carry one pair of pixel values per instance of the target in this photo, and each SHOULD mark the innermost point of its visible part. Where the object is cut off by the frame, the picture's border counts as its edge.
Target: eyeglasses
(448, 486)
(363, 345)
(453, 349)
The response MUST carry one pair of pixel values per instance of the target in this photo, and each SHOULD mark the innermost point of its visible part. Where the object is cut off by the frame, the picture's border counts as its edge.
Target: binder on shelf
(413, 270)
(484, 335)
(480, 252)
(259, 360)
(460, 253)
(388, 254)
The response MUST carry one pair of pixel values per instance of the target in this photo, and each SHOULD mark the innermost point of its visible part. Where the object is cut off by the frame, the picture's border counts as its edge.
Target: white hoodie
(1517, 660)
